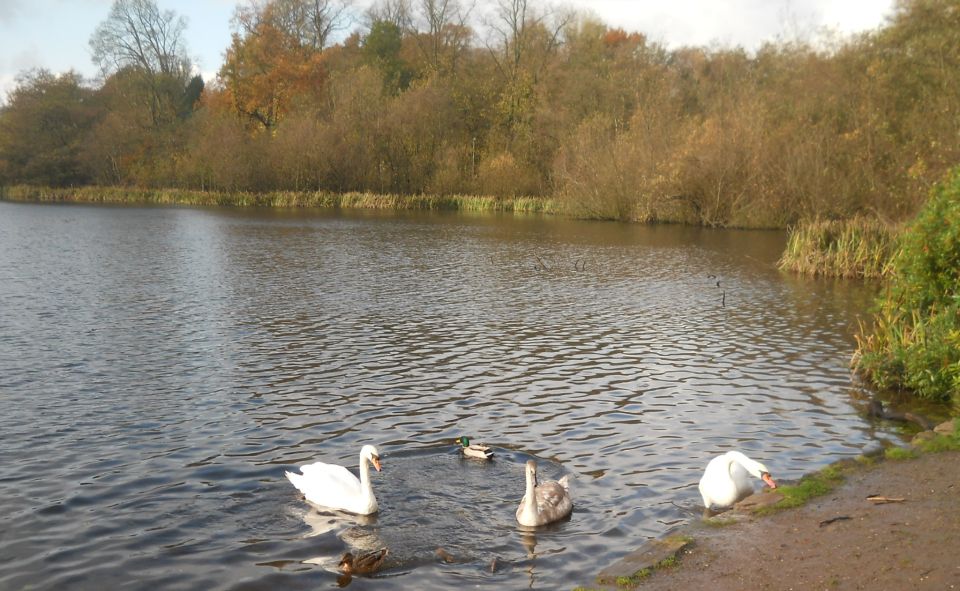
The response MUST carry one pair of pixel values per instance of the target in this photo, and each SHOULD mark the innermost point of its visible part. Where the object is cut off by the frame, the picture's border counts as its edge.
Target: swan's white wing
(332, 474)
(328, 485)
(741, 479)
(724, 481)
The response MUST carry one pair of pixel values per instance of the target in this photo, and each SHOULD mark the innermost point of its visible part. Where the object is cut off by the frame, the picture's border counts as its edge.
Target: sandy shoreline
(841, 540)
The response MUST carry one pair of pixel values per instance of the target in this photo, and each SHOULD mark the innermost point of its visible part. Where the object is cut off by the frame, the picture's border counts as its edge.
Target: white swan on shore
(333, 486)
(727, 479)
(544, 503)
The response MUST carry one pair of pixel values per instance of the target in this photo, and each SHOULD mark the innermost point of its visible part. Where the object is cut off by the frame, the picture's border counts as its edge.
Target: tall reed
(128, 195)
(857, 247)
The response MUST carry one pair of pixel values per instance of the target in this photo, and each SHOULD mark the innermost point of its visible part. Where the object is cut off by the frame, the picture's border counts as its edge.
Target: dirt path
(911, 545)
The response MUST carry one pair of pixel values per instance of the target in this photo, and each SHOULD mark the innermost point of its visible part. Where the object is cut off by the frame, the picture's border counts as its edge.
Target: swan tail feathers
(295, 479)
(565, 482)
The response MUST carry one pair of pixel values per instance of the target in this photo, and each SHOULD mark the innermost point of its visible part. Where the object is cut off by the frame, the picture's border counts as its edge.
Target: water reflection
(161, 368)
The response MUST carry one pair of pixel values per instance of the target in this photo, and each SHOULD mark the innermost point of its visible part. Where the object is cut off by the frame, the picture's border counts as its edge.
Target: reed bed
(858, 247)
(280, 199)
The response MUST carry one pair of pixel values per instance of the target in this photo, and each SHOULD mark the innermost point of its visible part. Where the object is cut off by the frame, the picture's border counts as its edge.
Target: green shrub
(914, 341)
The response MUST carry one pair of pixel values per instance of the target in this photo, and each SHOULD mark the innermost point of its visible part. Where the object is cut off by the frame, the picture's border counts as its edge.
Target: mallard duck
(726, 479)
(543, 503)
(474, 450)
(362, 564)
(333, 486)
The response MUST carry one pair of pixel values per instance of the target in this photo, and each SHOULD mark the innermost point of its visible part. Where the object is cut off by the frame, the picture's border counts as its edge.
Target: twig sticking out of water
(723, 297)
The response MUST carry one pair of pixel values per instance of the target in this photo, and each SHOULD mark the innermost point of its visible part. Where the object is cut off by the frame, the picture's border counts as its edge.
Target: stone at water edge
(764, 498)
(946, 428)
(648, 556)
(921, 437)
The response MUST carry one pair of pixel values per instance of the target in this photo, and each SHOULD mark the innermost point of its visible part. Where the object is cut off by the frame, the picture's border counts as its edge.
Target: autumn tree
(42, 127)
(276, 56)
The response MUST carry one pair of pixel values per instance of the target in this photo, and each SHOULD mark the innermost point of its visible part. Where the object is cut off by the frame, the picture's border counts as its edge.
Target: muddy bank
(841, 540)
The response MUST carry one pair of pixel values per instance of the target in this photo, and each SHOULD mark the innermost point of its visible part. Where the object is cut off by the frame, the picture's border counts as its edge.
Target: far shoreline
(278, 199)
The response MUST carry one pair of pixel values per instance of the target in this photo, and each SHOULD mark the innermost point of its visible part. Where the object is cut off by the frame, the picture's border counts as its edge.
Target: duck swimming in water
(362, 564)
(474, 450)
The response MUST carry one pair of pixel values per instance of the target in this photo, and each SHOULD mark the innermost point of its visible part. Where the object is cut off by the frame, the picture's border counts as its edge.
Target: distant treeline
(534, 102)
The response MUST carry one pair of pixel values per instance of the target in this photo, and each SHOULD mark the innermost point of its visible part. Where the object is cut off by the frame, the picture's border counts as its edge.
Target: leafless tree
(311, 23)
(517, 27)
(445, 30)
(138, 35)
(397, 12)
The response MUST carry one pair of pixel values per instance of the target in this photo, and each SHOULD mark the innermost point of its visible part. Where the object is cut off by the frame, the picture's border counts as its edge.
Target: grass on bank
(822, 482)
(322, 199)
(858, 247)
(809, 487)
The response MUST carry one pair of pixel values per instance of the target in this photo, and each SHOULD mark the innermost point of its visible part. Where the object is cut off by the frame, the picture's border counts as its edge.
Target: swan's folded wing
(331, 476)
(551, 494)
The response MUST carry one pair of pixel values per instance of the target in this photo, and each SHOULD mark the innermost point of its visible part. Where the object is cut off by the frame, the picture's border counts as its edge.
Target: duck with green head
(474, 450)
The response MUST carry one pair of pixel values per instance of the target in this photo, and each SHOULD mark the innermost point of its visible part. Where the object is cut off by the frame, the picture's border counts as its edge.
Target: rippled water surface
(161, 368)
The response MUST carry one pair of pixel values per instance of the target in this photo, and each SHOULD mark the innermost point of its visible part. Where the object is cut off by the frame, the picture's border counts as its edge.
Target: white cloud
(9, 11)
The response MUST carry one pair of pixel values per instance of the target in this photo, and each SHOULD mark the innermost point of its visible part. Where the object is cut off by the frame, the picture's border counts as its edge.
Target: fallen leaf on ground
(880, 500)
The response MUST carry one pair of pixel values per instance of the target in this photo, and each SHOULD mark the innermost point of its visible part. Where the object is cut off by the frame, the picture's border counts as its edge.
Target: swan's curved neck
(364, 473)
(530, 497)
(735, 457)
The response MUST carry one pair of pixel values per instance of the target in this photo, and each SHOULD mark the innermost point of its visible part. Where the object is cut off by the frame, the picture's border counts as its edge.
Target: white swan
(544, 503)
(726, 479)
(333, 486)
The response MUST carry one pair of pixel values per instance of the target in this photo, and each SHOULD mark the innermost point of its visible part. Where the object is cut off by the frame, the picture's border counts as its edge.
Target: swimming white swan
(333, 486)
(544, 503)
(726, 479)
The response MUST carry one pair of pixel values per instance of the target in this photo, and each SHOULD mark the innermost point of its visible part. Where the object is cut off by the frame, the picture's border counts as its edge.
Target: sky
(55, 34)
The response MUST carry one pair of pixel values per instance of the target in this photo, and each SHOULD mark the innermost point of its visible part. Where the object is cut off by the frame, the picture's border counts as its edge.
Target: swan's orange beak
(376, 462)
(768, 480)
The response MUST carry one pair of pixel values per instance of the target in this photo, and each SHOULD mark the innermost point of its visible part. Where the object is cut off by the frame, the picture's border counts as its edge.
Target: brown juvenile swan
(544, 503)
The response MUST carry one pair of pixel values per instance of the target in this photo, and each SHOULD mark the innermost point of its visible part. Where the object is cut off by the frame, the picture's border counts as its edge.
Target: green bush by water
(914, 341)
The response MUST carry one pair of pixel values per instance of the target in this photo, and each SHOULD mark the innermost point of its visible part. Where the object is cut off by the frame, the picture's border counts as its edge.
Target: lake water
(160, 369)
